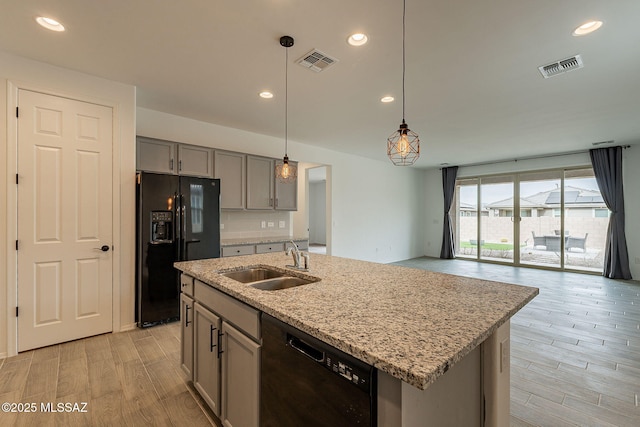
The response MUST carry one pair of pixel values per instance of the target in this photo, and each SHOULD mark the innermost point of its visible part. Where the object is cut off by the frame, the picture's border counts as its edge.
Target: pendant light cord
(286, 99)
(404, 15)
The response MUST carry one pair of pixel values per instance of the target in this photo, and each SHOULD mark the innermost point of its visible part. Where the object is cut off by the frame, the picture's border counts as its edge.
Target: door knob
(103, 248)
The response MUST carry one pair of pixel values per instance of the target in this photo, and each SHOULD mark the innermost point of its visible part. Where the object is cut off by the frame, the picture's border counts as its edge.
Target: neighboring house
(467, 209)
(578, 203)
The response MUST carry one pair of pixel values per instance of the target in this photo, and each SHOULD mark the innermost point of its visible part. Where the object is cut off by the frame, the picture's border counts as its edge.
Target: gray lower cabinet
(240, 378)
(206, 369)
(186, 333)
(225, 352)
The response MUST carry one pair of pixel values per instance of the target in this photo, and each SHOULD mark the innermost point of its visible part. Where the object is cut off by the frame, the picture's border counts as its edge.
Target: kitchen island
(414, 326)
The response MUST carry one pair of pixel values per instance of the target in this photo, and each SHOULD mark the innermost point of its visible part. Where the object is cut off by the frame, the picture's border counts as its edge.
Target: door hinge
(17, 178)
(16, 311)
(17, 246)
(17, 114)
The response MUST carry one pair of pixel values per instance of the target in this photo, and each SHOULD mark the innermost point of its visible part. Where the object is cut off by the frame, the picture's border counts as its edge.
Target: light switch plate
(263, 224)
(271, 224)
(281, 224)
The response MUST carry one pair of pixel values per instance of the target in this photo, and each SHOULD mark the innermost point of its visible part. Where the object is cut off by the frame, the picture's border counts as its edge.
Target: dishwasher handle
(306, 349)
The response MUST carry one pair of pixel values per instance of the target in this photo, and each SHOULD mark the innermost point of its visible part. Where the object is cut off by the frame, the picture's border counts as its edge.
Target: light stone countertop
(258, 240)
(413, 324)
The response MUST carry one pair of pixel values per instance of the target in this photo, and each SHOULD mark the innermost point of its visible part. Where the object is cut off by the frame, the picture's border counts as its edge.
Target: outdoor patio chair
(539, 240)
(577, 242)
(566, 232)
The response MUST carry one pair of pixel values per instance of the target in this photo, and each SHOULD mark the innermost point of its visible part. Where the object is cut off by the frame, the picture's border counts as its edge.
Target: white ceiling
(473, 89)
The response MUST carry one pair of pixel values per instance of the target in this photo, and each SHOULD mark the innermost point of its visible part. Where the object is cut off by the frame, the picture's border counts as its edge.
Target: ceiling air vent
(316, 61)
(560, 67)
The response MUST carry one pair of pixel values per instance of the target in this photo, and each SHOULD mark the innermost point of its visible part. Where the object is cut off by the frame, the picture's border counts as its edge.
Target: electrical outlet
(271, 224)
(263, 224)
(504, 354)
(221, 226)
(281, 224)
(637, 260)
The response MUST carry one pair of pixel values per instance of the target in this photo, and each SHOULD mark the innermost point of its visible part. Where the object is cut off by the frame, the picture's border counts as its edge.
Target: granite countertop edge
(278, 305)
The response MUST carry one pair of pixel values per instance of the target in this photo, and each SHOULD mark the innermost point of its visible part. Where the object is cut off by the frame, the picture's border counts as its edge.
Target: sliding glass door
(548, 219)
(497, 221)
(540, 218)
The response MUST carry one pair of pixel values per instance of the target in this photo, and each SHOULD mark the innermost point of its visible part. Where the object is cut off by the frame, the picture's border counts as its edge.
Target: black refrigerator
(177, 219)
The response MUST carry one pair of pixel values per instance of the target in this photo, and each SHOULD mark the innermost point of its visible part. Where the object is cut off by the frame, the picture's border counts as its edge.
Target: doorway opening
(317, 209)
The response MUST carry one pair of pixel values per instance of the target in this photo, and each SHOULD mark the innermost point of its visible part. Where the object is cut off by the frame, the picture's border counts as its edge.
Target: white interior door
(64, 219)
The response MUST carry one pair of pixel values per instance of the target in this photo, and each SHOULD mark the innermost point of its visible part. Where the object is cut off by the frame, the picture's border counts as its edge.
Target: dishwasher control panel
(347, 370)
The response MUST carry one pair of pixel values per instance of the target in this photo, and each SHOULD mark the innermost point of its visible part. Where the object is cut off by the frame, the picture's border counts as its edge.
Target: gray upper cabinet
(260, 171)
(195, 161)
(155, 155)
(230, 168)
(286, 194)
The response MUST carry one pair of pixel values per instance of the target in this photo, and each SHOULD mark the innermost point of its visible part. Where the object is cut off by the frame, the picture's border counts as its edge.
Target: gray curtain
(607, 166)
(448, 250)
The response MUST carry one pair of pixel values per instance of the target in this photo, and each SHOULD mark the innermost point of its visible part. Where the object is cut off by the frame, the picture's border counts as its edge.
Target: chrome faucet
(296, 254)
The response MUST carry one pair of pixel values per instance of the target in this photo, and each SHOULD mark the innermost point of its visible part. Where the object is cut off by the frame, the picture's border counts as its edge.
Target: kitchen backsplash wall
(240, 224)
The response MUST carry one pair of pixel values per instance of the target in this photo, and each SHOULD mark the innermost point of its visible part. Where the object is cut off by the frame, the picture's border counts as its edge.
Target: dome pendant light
(403, 146)
(285, 172)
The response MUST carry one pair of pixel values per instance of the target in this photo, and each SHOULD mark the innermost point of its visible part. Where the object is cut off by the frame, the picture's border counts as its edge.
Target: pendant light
(285, 172)
(403, 146)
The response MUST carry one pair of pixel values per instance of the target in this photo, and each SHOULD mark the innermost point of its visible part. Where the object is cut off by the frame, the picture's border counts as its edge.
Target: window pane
(496, 227)
(466, 218)
(540, 194)
(586, 221)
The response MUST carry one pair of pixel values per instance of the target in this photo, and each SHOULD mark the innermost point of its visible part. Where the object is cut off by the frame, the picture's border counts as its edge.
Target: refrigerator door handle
(178, 227)
(183, 230)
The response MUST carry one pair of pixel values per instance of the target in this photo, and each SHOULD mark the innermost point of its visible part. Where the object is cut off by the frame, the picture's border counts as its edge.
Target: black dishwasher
(306, 382)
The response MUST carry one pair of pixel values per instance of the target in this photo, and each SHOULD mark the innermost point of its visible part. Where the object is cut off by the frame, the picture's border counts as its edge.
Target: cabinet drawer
(235, 312)
(303, 245)
(186, 284)
(238, 250)
(263, 248)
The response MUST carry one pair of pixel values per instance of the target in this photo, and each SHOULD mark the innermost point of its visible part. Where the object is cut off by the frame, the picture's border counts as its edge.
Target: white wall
(376, 208)
(35, 75)
(631, 170)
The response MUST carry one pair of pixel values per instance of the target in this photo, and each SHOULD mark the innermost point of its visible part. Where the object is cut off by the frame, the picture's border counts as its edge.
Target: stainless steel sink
(280, 283)
(267, 279)
(252, 274)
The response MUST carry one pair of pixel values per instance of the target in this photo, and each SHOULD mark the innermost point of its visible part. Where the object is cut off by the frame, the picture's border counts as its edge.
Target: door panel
(64, 218)
(497, 219)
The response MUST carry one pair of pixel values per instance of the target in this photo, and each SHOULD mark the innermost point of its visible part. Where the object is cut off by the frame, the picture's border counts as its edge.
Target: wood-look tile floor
(575, 349)
(126, 379)
(575, 360)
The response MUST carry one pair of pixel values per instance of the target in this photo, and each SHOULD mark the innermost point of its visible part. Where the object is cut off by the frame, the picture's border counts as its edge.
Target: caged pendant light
(403, 146)
(285, 172)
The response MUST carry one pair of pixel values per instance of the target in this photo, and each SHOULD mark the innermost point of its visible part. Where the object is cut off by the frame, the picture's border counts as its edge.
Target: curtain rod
(543, 156)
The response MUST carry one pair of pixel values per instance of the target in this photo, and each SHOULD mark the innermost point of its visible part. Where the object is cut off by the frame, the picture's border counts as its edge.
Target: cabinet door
(154, 155)
(186, 334)
(240, 379)
(286, 194)
(260, 172)
(195, 161)
(230, 168)
(206, 361)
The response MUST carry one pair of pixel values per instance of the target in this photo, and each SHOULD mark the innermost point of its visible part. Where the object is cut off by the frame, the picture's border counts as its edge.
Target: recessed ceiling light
(357, 39)
(266, 94)
(587, 28)
(49, 23)
(386, 99)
